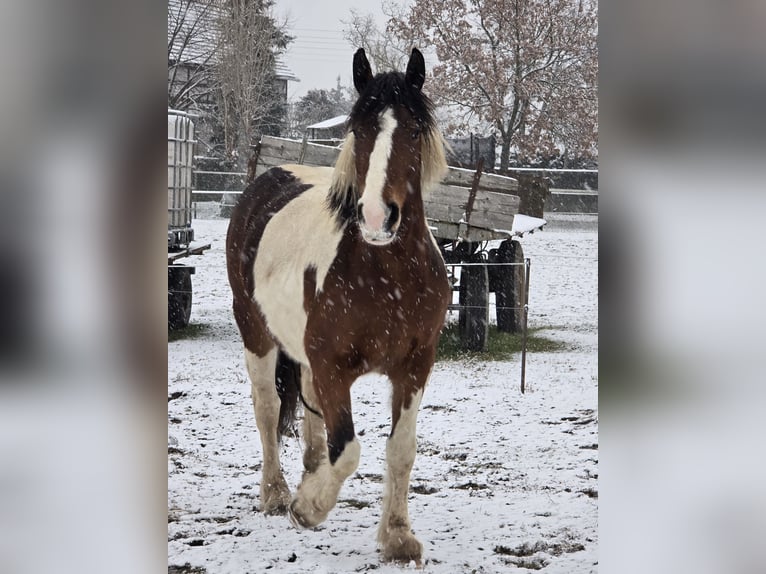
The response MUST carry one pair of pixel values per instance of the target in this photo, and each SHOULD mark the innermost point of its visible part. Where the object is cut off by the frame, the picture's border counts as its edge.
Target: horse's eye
(416, 133)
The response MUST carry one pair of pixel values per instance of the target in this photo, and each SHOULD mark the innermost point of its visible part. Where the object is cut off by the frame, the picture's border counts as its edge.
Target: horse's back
(272, 190)
(281, 227)
(260, 201)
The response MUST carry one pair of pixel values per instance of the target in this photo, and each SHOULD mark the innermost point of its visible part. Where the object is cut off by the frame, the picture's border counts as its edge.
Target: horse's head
(393, 149)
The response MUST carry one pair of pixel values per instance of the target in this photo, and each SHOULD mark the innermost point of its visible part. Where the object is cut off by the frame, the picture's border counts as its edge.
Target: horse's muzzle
(379, 226)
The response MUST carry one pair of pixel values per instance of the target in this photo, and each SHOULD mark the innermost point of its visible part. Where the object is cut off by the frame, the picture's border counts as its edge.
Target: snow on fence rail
(553, 169)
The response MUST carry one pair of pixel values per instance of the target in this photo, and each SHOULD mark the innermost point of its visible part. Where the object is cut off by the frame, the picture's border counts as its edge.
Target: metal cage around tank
(180, 207)
(180, 165)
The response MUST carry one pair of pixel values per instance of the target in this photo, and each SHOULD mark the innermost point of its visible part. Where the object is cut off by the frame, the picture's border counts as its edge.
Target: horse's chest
(382, 308)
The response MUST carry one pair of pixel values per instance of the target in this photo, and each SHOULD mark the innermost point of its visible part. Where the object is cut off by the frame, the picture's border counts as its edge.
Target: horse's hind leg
(395, 534)
(275, 495)
(319, 490)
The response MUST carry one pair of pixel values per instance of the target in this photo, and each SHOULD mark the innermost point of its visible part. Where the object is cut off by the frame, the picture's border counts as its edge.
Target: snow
(498, 474)
(525, 223)
(330, 123)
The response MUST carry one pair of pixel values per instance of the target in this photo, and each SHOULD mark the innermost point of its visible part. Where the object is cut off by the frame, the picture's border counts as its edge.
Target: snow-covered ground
(502, 481)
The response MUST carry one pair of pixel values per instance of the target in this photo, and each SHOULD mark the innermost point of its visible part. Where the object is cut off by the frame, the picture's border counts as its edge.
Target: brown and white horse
(335, 274)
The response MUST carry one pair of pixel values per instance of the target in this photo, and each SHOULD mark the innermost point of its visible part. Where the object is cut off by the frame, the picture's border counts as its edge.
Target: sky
(319, 54)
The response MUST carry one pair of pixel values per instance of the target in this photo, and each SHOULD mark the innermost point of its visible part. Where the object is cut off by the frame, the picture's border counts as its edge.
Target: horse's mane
(383, 91)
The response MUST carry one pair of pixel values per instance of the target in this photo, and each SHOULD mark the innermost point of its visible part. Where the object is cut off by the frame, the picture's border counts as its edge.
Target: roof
(195, 23)
(331, 123)
(283, 72)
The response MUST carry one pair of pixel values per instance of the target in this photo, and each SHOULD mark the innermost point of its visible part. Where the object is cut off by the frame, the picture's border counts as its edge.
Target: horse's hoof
(274, 508)
(275, 500)
(303, 516)
(402, 546)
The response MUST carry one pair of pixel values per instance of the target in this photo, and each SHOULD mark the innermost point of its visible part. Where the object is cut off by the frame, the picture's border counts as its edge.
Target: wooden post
(524, 326)
(252, 164)
(474, 189)
(304, 143)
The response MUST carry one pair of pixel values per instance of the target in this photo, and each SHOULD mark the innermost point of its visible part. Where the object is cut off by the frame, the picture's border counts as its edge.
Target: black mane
(388, 89)
(391, 89)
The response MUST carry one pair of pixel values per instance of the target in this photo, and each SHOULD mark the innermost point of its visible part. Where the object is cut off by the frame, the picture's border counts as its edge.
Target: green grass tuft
(191, 331)
(501, 346)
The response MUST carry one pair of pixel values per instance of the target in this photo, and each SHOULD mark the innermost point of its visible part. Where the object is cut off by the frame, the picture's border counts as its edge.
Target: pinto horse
(335, 274)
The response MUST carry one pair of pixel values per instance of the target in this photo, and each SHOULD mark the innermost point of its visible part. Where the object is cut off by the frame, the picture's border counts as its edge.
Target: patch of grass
(530, 563)
(186, 569)
(525, 552)
(565, 548)
(423, 489)
(191, 331)
(501, 346)
(470, 486)
(355, 503)
(525, 549)
(371, 477)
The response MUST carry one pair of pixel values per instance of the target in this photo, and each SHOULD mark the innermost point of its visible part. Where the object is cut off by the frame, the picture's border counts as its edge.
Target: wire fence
(523, 308)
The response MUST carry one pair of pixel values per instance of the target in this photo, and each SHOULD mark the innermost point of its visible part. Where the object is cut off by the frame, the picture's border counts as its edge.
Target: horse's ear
(362, 70)
(416, 70)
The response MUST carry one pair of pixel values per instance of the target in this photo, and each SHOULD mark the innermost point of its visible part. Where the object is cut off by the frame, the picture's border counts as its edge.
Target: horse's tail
(288, 381)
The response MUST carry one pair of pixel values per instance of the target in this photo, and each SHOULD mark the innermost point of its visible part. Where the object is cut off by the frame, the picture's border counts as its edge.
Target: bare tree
(192, 49)
(526, 67)
(385, 52)
(251, 39)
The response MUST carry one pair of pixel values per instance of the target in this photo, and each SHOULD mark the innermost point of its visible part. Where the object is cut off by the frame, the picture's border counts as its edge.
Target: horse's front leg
(395, 535)
(314, 435)
(319, 489)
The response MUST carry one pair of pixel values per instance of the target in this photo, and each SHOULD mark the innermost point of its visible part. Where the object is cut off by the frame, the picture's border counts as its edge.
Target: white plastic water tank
(180, 161)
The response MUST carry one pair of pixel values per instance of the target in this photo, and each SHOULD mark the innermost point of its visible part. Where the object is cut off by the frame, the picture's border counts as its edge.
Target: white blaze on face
(374, 209)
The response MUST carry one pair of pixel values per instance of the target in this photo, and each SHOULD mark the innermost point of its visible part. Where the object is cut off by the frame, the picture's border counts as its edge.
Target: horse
(335, 274)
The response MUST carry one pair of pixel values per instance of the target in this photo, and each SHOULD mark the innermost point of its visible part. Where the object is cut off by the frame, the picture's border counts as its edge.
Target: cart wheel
(473, 317)
(508, 285)
(179, 297)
